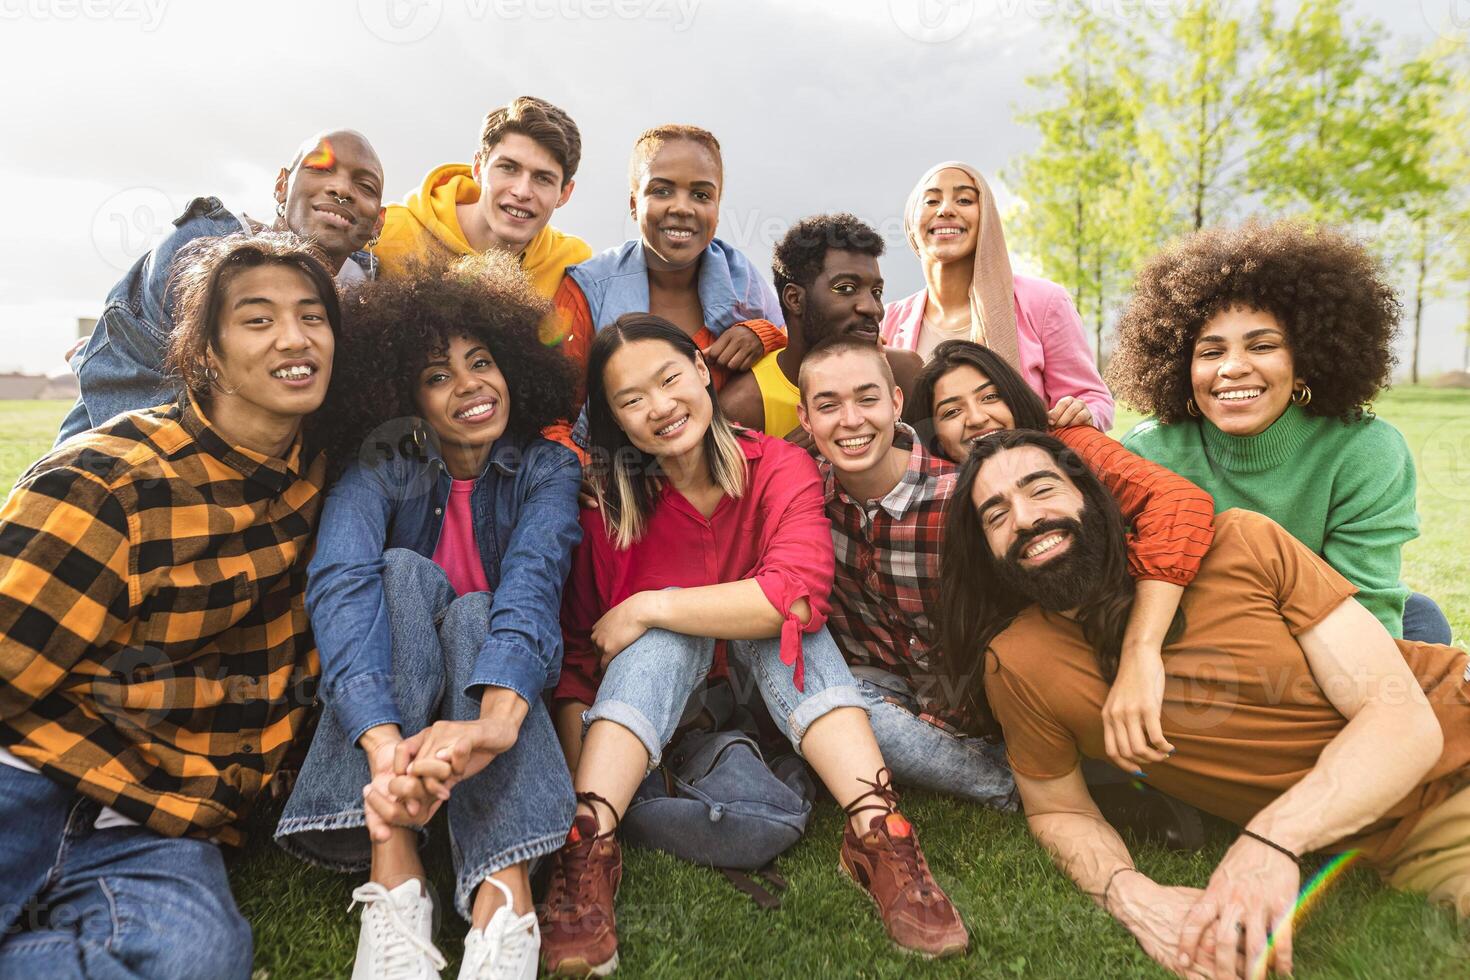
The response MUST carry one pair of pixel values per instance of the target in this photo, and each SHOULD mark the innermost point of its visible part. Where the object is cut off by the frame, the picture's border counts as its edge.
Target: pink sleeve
(796, 556)
(1068, 367)
(580, 610)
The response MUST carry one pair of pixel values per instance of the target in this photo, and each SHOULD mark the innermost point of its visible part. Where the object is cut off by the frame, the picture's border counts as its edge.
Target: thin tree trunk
(1423, 274)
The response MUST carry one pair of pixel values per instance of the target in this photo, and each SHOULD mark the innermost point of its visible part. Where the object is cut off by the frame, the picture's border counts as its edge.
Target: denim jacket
(121, 367)
(524, 507)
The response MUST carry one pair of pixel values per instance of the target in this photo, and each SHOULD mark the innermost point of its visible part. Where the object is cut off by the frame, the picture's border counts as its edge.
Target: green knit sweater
(1345, 490)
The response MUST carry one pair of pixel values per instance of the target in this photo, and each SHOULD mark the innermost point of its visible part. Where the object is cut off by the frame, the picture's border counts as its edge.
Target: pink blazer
(1056, 359)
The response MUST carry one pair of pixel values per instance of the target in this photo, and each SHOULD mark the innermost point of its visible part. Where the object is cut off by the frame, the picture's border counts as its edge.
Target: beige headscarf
(992, 291)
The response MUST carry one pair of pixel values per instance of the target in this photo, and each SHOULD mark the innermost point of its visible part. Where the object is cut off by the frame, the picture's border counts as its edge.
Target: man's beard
(1066, 580)
(818, 327)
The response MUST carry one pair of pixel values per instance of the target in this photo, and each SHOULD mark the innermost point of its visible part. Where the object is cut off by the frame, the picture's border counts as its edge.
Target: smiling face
(846, 299)
(334, 196)
(677, 203)
(850, 408)
(946, 218)
(1242, 372)
(520, 185)
(659, 398)
(274, 345)
(464, 398)
(1046, 540)
(966, 407)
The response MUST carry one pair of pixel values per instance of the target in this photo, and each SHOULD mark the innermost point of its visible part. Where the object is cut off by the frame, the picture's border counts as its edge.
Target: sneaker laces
(393, 938)
(507, 941)
(573, 862)
(901, 839)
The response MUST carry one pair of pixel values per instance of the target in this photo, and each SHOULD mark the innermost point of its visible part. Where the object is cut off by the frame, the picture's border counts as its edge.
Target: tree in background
(1340, 130)
(1220, 113)
(1083, 196)
(1195, 127)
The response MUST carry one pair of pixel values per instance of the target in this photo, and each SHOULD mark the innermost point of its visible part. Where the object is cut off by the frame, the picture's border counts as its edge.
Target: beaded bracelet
(1272, 844)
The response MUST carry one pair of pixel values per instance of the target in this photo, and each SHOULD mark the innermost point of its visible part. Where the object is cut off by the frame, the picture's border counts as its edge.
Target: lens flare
(1306, 899)
(321, 158)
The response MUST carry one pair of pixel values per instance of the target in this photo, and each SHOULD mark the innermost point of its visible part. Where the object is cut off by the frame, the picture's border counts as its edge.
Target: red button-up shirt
(776, 533)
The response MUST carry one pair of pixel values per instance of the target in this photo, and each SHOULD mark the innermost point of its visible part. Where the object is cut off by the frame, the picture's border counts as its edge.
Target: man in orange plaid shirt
(155, 659)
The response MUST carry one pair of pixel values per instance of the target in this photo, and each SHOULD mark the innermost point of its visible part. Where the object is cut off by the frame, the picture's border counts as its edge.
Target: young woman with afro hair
(1257, 350)
(434, 595)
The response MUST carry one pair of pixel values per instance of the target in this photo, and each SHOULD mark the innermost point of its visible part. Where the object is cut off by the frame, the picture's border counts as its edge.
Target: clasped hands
(413, 777)
(1239, 927)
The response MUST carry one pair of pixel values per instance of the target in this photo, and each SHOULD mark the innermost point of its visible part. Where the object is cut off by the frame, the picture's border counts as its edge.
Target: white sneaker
(508, 948)
(396, 942)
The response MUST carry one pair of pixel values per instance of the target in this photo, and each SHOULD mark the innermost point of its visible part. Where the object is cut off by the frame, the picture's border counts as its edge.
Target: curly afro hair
(1331, 297)
(799, 255)
(391, 326)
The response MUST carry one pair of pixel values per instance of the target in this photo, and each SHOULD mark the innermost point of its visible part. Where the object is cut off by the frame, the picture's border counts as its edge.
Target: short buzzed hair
(836, 346)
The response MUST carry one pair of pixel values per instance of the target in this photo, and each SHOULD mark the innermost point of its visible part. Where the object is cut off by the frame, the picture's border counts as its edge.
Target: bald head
(332, 193)
(340, 140)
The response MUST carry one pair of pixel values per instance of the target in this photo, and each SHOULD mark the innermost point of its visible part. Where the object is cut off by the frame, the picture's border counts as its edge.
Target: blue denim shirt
(524, 507)
(121, 367)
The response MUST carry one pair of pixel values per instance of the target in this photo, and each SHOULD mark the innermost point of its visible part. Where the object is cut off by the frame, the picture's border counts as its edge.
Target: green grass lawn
(1026, 919)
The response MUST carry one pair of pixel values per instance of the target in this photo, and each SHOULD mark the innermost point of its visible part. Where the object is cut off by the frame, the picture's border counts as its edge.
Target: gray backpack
(716, 801)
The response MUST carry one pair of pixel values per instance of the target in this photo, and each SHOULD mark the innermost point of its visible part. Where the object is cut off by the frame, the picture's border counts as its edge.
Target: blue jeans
(125, 902)
(1423, 620)
(925, 755)
(647, 686)
(516, 809)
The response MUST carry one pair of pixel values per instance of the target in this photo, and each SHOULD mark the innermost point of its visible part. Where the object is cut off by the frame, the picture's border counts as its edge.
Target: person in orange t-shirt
(1292, 711)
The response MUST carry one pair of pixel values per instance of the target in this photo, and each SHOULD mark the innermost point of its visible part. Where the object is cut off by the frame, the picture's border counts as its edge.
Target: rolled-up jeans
(648, 684)
(516, 809)
(924, 755)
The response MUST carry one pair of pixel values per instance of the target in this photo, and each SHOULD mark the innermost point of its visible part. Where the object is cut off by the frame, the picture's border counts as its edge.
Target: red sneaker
(887, 863)
(579, 934)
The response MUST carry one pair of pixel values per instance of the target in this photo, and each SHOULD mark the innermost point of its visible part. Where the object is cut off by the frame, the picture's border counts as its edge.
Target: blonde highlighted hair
(626, 479)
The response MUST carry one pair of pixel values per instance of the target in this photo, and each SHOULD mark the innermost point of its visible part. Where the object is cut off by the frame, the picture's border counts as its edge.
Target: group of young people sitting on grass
(433, 508)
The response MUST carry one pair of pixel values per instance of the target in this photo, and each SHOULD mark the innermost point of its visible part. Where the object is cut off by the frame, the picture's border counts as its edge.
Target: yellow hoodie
(426, 225)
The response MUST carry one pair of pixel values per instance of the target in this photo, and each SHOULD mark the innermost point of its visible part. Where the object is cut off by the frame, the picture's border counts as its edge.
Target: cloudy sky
(117, 112)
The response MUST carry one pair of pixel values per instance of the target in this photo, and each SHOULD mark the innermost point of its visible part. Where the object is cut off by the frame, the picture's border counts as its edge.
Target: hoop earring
(1302, 397)
(281, 209)
(1191, 407)
(211, 374)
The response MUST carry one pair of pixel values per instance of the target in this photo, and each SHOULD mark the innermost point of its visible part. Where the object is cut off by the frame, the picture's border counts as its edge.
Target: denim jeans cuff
(819, 704)
(470, 879)
(288, 837)
(633, 720)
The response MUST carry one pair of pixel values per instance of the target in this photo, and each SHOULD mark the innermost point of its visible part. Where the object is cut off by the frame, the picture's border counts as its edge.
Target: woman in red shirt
(706, 533)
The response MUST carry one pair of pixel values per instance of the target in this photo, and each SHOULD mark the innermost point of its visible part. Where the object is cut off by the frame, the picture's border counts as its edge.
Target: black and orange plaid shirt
(154, 647)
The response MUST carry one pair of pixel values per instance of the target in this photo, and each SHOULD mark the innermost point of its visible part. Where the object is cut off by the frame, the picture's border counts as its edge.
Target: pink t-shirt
(456, 551)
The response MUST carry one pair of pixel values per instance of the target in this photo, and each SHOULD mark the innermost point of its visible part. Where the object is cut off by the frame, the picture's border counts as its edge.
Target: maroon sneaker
(886, 862)
(579, 932)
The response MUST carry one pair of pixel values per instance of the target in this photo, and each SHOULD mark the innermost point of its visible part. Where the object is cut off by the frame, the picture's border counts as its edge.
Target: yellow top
(779, 397)
(426, 224)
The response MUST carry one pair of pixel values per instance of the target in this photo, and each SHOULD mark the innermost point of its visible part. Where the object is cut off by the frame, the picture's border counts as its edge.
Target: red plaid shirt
(888, 562)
